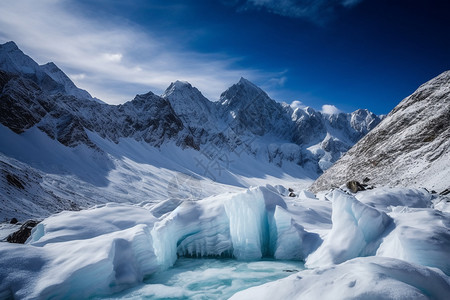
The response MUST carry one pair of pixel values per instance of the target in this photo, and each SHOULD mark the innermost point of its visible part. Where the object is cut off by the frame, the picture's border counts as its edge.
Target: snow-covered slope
(410, 147)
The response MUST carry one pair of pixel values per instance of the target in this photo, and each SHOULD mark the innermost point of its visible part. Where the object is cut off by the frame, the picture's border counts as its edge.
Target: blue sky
(348, 53)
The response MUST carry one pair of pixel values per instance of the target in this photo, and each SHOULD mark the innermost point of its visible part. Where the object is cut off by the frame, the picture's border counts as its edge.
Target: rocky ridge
(410, 147)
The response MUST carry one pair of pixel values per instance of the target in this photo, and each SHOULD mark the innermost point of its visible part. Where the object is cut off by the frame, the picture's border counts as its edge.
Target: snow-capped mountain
(48, 76)
(232, 141)
(245, 118)
(246, 113)
(410, 147)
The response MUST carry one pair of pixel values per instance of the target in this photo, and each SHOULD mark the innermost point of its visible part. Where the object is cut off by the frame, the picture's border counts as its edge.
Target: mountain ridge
(182, 114)
(410, 147)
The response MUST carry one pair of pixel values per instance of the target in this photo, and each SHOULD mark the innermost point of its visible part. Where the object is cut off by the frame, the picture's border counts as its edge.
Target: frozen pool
(192, 278)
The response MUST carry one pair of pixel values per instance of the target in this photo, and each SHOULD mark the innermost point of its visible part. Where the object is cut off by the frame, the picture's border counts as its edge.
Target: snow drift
(359, 278)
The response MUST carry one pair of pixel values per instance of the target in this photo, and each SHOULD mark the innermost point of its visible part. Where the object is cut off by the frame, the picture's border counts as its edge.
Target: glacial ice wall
(112, 247)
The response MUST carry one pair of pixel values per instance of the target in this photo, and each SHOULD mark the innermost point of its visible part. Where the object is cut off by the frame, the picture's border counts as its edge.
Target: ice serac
(248, 225)
(357, 231)
(289, 239)
(410, 147)
(233, 225)
(359, 278)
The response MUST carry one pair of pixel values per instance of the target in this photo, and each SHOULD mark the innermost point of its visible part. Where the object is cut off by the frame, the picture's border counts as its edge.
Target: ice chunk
(357, 229)
(305, 194)
(89, 223)
(420, 236)
(290, 239)
(80, 268)
(359, 278)
(442, 203)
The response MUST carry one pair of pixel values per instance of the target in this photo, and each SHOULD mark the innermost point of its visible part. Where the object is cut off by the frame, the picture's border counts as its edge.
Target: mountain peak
(181, 83)
(51, 64)
(242, 92)
(245, 82)
(9, 46)
(183, 90)
(177, 86)
(189, 103)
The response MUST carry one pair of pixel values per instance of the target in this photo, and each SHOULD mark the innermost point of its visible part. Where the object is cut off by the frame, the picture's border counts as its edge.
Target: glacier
(110, 248)
(126, 243)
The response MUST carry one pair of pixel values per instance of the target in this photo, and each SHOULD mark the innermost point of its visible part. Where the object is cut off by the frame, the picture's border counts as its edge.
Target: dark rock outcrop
(355, 186)
(21, 235)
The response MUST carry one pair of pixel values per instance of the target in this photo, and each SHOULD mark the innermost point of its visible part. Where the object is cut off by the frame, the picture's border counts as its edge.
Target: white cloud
(297, 104)
(117, 58)
(80, 76)
(113, 57)
(330, 109)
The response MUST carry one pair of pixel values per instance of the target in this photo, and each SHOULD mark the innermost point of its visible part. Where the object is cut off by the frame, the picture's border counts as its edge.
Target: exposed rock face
(65, 118)
(410, 147)
(247, 108)
(21, 235)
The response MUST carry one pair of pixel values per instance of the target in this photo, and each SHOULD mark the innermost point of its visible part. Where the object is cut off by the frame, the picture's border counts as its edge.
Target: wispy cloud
(113, 59)
(317, 11)
(297, 104)
(330, 109)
